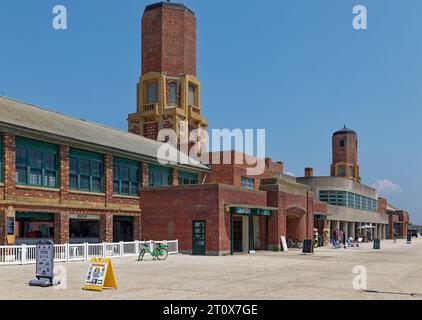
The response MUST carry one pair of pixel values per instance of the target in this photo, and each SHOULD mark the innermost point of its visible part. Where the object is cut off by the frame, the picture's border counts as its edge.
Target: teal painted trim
(126, 163)
(123, 219)
(186, 175)
(44, 148)
(161, 170)
(30, 144)
(34, 215)
(250, 211)
(86, 155)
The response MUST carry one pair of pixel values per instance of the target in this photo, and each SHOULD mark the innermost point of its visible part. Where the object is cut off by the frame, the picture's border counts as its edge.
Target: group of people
(339, 239)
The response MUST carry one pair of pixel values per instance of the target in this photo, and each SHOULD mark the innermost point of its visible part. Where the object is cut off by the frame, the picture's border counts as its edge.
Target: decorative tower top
(169, 94)
(169, 39)
(345, 154)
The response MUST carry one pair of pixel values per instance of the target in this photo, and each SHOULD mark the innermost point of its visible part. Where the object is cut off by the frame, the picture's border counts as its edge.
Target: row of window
(173, 92)
(349, 199)
(37, 164)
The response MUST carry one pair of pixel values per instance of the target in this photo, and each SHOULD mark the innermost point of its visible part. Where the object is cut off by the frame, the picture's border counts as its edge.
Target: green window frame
(348, 199)
(186, 178)
(86, 171)
(160, 176)
(126, 177)
(247, 183)
(37, 163)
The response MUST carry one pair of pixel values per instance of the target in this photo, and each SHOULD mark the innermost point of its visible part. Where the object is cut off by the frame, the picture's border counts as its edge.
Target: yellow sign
(100, 275)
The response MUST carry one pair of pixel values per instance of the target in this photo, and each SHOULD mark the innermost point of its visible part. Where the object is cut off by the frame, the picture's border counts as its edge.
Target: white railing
(26, 254)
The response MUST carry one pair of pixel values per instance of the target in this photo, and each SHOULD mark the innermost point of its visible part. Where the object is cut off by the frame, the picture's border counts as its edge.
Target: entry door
(198, 246)
(237, 236)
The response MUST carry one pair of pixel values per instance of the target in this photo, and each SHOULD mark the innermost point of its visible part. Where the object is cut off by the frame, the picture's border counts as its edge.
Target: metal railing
(26, 254)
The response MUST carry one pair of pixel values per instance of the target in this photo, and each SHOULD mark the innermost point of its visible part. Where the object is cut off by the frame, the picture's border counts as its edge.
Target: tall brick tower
(168, 90)
(345, 155)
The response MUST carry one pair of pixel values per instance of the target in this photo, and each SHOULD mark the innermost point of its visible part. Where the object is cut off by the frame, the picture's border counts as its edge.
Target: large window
(86, 171)
(247, 183)
(348, 199)
(152, 93)
(160, 176)
(192, 95)
(187, 178)
(172, 94)
(126, 176)
(36, 163)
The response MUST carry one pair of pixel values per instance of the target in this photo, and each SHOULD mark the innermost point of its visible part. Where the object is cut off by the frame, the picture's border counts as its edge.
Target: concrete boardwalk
(395, 272)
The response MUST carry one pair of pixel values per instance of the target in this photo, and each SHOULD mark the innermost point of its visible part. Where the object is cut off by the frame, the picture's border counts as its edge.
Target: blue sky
(294, 67)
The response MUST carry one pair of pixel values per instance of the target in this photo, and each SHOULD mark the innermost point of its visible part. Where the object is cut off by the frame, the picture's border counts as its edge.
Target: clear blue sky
(294, 67)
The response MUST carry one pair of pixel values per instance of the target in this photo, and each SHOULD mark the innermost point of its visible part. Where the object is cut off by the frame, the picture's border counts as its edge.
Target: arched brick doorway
(296, 224)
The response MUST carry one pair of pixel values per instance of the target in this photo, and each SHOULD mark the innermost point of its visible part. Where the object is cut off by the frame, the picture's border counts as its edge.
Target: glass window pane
(84, 183)
(73, 165)
(192, 93)
(84, 167)
(35, 159)
(152, 93)
(124, 173)
(96, 185)
(50, 161)
(134, 175)
(172, 93)
(134, 189)
(21, 157)
(50, 179)
(35, 176)
(96, 169)
(116, 172)
(73, 182)
(116, 187)
(21, 175)
(125, 187)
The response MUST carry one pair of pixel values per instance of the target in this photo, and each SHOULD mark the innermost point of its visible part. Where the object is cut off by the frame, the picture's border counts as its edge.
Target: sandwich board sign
(100, 275)
(308, 247)
(44, 260)
(284, 244)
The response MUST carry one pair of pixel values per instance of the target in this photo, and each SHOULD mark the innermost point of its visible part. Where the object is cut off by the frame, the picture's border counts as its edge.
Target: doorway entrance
(122, 229)
(237, 235)
(198, 238)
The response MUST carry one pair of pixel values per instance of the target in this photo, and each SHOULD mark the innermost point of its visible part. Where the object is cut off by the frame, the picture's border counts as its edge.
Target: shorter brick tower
(345, 155)
(168, 90)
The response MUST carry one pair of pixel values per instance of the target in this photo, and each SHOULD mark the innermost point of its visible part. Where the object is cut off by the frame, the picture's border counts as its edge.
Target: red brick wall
(9, 151)
(169, 40)
(167, 213)
(232, 173)
(151, 130)
(347, 154)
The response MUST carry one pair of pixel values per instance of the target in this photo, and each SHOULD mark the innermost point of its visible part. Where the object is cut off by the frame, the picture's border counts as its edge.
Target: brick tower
(168, 90)
(345, 155)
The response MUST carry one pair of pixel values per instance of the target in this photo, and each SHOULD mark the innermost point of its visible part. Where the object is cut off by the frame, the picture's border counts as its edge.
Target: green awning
(250, 211)
(35, 215)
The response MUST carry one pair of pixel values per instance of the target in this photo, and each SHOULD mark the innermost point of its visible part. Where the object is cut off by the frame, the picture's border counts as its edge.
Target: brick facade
(168, 39)
(63, 202)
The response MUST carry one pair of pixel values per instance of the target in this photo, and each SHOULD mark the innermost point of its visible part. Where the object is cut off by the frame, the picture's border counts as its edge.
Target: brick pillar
(145, 175)
(175, 177)
(137, 228)
(310, 215)
(64, 171)
(3, 231)
(61, 227)
(9, 143)
(108, 178)
(106, 228)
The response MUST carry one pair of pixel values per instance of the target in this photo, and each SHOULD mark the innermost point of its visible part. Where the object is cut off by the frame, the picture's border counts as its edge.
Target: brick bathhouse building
(232, 212)
(74, 181)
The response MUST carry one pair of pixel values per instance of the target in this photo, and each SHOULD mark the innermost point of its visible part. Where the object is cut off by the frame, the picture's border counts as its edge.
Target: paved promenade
(394, 272)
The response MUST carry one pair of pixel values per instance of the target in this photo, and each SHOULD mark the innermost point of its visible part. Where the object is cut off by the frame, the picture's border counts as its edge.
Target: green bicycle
(160, 252)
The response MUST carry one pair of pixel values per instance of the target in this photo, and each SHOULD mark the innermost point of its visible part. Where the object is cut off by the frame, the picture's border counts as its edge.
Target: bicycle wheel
(162, 254)
(141, 255)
